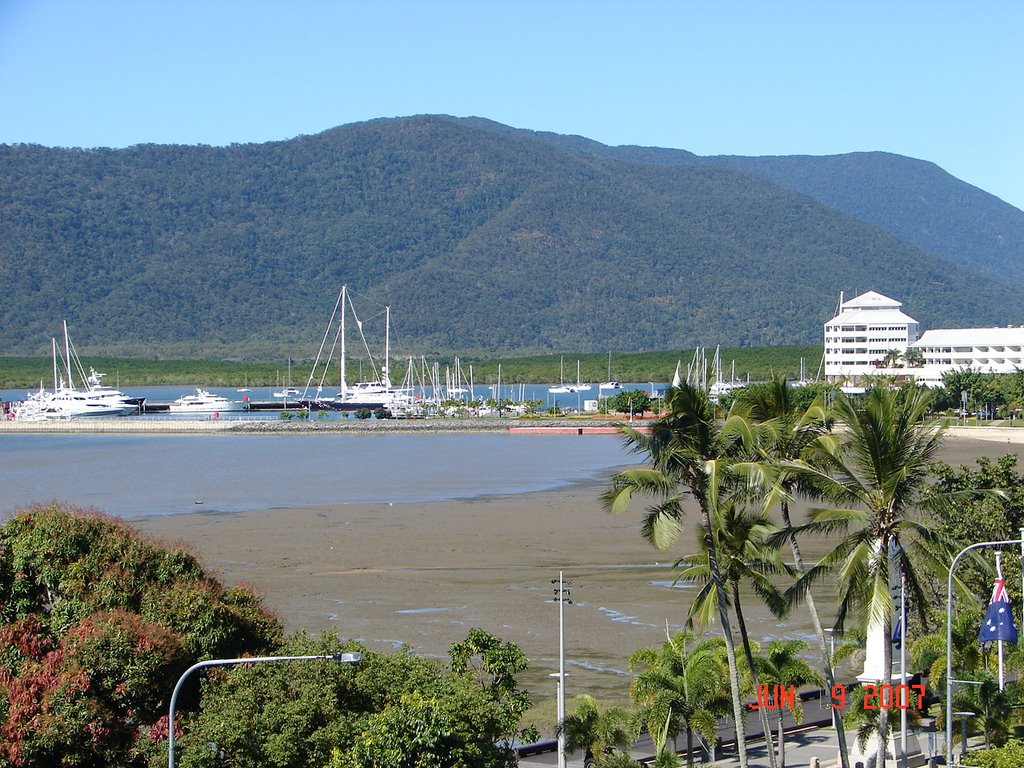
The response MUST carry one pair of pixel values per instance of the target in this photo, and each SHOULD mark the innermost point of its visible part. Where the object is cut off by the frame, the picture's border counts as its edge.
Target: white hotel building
(867, 328)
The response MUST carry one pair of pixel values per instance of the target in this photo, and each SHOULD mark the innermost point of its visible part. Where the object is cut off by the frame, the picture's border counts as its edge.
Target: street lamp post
(342, 658)
(949, 634)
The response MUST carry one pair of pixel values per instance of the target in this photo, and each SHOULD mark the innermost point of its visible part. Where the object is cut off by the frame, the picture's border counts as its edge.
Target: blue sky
(936, 80)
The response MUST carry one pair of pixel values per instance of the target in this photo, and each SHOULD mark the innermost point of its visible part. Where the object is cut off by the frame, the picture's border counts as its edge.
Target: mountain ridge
(484, 238)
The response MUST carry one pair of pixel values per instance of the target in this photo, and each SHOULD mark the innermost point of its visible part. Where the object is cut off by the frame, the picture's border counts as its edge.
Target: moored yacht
(205, 402)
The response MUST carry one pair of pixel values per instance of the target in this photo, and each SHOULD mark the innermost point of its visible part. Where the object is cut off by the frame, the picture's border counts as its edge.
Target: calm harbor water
(135, 475)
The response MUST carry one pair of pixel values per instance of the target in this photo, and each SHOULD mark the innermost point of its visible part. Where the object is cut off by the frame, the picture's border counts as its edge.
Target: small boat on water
(611, 385)
(562, 388)
(205, 402)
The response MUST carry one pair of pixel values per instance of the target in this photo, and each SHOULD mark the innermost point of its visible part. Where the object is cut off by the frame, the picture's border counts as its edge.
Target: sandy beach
(424, 574)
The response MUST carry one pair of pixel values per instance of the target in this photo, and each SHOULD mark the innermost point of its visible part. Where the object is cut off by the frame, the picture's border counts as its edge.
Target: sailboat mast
(387, 346)
(344, 386)
(67, 354)
(53, 343)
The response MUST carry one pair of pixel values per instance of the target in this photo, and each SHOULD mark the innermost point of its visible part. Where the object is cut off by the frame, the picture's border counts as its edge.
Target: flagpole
(999, 575)
(903, 664)
(949, 632)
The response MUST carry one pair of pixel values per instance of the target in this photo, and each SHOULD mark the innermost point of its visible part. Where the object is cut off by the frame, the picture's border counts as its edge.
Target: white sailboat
(580, 386)
(289, 392)
(561, 389)
(720, 386)
(610, 385)
(377, 392)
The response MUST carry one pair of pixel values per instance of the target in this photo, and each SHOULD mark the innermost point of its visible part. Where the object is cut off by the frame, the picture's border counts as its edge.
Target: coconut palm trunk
(690, 454)
(748, 653)
(730, 643)
(819, 631)
(790, 433)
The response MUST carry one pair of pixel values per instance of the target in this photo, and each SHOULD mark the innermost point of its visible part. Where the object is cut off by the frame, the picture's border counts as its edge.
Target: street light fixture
(561, 597)
(341, 658)
(949, 633)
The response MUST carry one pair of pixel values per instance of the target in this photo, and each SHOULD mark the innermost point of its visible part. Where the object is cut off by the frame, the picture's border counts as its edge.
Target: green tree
(96, 625)
(880, 479)
(689, 454)
(390, 710)
(494, 664)
(595, 730)
(913, 357)
(678, 688)
(632, 401)
(781, 665)
(988, 517)
(792, 431)
(745, 558)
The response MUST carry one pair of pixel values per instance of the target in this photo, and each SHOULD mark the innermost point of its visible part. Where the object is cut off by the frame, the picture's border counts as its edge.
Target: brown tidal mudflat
(425, 574)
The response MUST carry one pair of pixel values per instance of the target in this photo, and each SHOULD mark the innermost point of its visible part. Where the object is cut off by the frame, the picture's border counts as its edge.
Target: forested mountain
(483, 239)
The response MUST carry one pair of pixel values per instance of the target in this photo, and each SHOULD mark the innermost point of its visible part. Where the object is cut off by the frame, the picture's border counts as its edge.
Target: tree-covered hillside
(483, 239)
(913, 199)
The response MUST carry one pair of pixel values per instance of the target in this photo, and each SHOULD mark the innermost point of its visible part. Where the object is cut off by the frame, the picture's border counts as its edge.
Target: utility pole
(561, 597)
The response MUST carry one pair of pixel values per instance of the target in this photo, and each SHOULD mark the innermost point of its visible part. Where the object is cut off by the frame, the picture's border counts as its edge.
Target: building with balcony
(861, 339)
(987, 350)
(862, 334)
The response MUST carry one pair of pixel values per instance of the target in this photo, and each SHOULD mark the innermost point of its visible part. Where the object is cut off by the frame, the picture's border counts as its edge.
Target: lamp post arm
(949, 634)
(344, 658)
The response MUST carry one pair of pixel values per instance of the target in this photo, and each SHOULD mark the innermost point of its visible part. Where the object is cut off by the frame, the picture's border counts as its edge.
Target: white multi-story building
(859, 337)
(987, 350)
(867, 329)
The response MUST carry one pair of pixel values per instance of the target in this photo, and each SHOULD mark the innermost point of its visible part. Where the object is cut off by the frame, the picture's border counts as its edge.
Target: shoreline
(540, 425)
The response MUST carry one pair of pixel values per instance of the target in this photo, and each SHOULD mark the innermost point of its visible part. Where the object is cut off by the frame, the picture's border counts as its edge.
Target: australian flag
(998, 624)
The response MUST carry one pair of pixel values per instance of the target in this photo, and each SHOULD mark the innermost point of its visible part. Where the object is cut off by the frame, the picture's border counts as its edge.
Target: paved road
(801, 747)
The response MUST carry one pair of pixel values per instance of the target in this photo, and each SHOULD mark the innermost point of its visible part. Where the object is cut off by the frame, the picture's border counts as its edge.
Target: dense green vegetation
(98, 623)
(757, 362)
(915, 200)
(880, 500)
(485, 241)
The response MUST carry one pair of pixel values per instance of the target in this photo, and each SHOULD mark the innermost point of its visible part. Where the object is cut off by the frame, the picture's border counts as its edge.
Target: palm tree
(596, 731)
(677, 687)
(744, 558)
(881, 479)
(781, 665)
(929, 651)
(788, 434)
(690, 454)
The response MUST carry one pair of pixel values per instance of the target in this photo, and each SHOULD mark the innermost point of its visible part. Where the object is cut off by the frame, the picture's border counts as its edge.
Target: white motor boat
(67, 401)
(205, 402)
(71, 403)
(97, 390)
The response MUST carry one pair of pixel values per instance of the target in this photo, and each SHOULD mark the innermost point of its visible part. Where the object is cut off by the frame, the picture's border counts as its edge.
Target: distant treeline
(756, 362)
